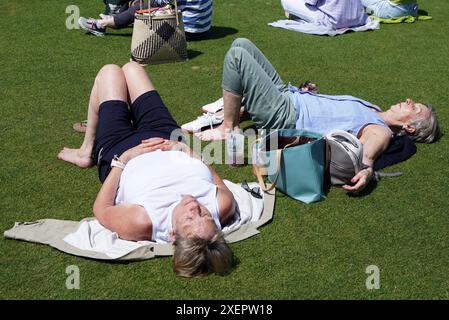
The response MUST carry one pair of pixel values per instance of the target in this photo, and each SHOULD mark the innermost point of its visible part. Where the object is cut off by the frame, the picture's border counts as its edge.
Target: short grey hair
(195, 256)
(427, 130)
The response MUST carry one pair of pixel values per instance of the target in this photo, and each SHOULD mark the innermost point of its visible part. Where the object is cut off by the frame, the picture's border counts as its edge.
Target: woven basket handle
(176, 12)
(149, 9)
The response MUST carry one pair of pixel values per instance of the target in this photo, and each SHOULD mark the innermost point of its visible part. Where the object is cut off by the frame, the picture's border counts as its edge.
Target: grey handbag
(345, 156)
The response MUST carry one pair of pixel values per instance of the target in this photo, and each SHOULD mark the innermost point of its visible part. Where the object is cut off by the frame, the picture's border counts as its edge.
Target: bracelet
(116, 162)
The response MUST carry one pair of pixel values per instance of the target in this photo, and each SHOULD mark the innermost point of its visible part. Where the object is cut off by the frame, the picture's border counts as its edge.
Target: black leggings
(125, 18)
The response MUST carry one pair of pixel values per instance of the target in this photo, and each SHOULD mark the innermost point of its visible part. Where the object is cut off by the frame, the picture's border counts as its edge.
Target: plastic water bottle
(235, 146)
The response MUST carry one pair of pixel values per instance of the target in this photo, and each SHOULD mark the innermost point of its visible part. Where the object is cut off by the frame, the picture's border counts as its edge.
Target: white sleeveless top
(157, 180)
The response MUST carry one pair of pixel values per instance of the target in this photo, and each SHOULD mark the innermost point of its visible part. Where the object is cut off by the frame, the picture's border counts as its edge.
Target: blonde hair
(195, 256)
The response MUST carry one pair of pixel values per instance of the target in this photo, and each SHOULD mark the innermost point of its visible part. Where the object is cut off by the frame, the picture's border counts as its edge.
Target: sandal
(80, 126)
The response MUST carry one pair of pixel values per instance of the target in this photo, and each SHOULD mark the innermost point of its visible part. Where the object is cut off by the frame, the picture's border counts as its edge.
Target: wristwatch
(116, 162)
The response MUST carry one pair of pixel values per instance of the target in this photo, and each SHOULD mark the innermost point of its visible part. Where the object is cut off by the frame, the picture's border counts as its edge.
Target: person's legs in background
(115, 6)
(197, 21)
(118, 20)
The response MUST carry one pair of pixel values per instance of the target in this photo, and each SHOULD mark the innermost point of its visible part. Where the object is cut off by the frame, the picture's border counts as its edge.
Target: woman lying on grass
(153, 188)
(272, 104)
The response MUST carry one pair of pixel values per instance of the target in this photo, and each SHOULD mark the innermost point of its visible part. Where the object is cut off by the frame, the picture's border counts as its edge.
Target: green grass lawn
(316, 251)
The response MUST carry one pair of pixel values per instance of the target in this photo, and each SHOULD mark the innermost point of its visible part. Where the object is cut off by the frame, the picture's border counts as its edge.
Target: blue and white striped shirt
(196, 15)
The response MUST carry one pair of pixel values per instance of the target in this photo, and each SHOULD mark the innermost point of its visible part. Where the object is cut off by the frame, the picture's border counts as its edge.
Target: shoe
(218, 105)
(213, 107)
(206, 120)
(90, 25)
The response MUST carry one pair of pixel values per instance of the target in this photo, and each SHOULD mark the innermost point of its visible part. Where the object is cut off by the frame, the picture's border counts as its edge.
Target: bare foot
(77, 157)
(218, 133)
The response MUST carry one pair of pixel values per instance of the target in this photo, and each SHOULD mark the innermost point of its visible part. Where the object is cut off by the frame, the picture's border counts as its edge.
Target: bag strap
(257, 170)
(176, 12)
(260, 176)
(377, 175)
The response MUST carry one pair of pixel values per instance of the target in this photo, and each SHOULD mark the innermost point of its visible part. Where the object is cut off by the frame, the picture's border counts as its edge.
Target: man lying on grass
(273, 105)
(153, 188)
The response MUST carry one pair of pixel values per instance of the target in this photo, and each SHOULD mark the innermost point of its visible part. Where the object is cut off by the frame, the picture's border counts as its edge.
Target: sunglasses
(255, 192)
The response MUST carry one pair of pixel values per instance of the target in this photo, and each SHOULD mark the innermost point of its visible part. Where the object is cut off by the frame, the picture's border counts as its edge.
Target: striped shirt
(337, 13)
(196, 15)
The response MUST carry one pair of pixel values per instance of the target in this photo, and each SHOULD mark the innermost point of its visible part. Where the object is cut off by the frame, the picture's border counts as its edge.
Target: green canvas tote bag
(294, 161)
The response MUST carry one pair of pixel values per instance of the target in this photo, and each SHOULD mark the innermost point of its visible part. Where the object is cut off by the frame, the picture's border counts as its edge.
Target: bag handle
(149, 9)
(257, 170)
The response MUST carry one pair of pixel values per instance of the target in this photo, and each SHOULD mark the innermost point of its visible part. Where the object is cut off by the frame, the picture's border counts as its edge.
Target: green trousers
(248, 73)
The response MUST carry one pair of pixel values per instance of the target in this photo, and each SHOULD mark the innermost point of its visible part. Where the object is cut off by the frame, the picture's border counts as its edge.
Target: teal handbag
(294, 162)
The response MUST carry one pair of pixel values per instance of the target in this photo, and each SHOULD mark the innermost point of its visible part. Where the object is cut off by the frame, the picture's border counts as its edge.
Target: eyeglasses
(255, 192)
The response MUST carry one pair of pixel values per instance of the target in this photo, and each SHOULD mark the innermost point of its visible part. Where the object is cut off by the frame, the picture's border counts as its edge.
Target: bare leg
(247, 70)
(137, 80)
(110, 84)
(231, 108)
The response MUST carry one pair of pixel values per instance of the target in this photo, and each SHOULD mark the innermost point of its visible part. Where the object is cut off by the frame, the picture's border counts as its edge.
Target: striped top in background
(196, 15)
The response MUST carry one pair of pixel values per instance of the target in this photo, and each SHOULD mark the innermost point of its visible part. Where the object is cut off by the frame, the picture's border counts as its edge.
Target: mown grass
(317, 251)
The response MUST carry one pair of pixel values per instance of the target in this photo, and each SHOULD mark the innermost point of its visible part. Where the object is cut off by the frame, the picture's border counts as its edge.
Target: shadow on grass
(119, 34)
(215, 32)
(192, 54)
(235, 262)
(422, 12)
(367, 191)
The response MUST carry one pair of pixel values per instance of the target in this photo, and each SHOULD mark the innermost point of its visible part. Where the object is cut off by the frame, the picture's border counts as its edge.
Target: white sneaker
(218, 105)
(213, 107)
(206, 120)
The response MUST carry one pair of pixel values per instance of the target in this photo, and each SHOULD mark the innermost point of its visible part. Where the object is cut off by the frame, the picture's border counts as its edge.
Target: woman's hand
(173, 145)
(360, 180)
(170, 145)
(147, 145)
